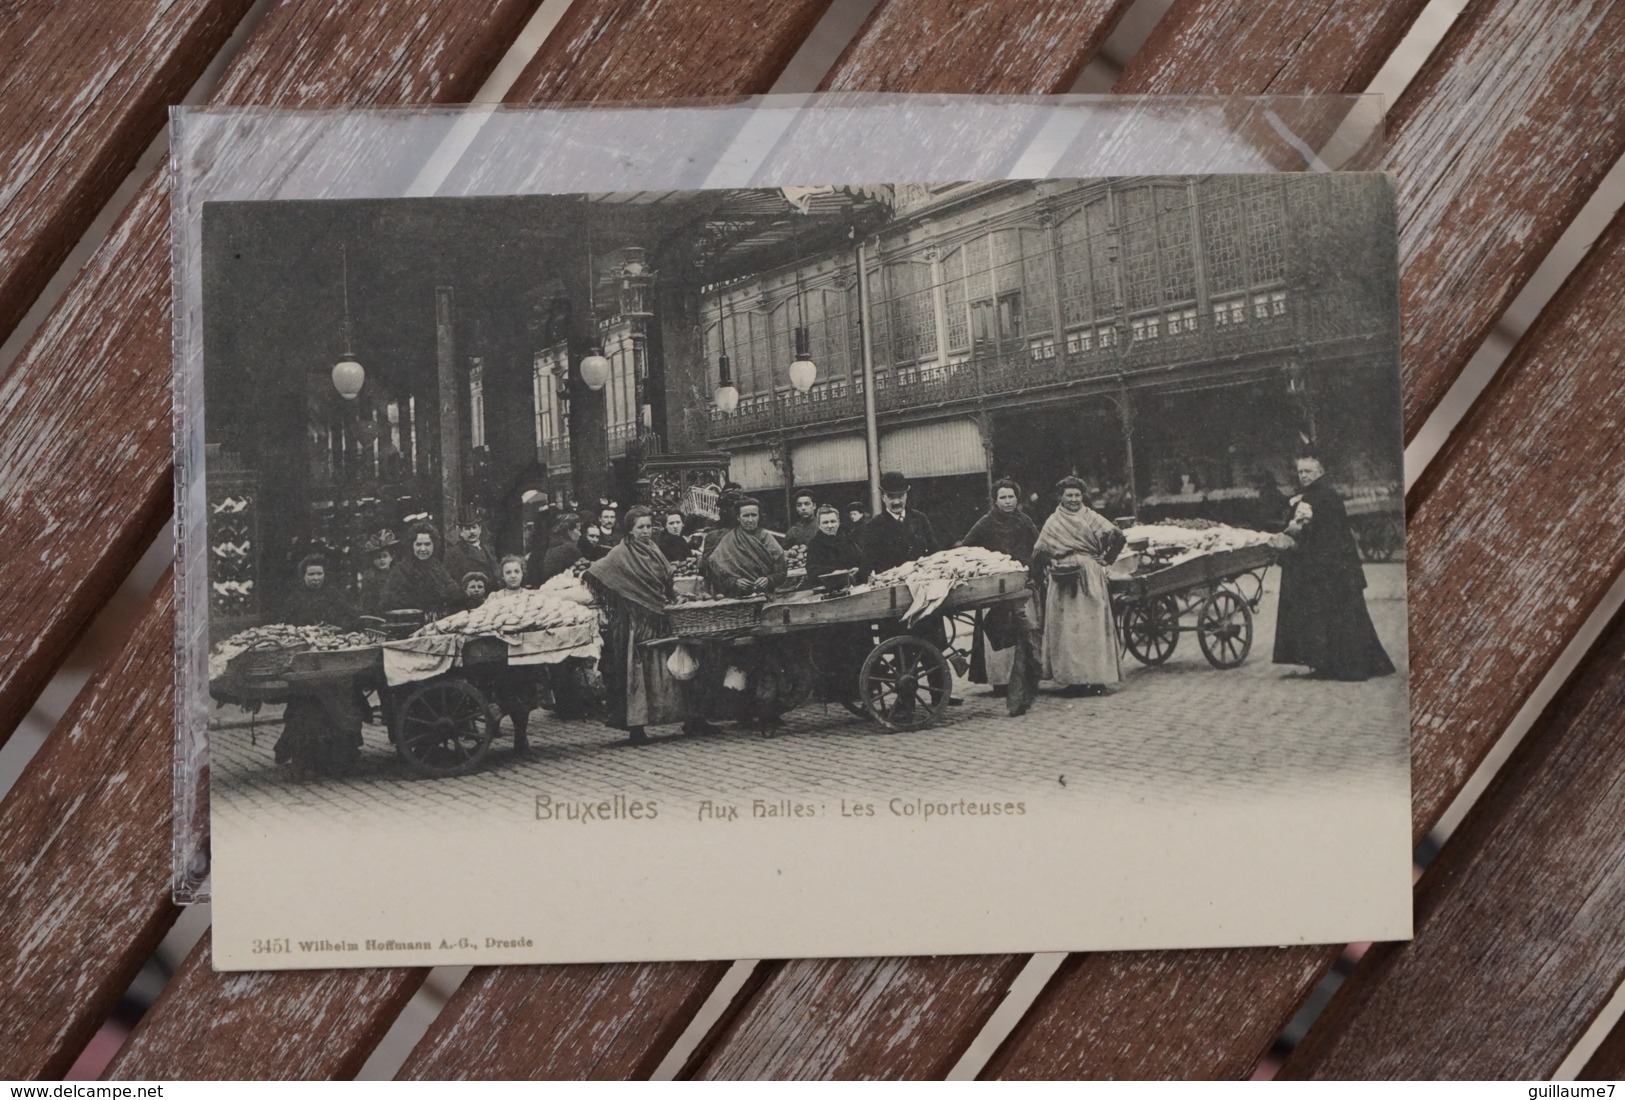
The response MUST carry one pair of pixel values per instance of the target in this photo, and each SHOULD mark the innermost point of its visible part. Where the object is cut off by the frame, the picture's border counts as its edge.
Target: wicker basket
(716, 617)
(266, 661)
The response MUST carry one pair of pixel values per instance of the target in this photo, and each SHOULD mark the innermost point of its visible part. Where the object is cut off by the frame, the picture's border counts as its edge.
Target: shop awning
(943, 449)
(827, 461)
(754, 469)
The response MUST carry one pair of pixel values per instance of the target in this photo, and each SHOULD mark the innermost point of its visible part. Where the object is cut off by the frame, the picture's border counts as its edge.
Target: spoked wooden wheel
(1151, 630)
(1224, 628)
(905, 683)
(444, 728)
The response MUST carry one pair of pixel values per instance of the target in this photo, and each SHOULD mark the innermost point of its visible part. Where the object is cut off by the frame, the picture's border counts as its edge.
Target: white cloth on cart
(422, 658)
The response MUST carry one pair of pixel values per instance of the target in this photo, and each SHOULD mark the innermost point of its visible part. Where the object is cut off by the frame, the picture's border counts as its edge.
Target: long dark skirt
(1323, 623)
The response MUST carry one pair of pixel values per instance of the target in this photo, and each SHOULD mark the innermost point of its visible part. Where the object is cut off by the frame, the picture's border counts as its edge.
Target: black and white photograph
(748, 572)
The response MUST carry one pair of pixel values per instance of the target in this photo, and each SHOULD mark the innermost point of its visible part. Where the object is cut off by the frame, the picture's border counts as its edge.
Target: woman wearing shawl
(420, 582)
(999, 631)
(746, 561)
(1080, 648)
(633, 583)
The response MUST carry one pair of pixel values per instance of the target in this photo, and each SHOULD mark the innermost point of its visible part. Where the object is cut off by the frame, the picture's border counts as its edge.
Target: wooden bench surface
(1515, 537)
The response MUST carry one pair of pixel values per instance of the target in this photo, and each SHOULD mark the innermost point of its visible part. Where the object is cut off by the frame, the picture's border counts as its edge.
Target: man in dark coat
(1323, 621)
(470, 551)
(564, 553)
(897, 533)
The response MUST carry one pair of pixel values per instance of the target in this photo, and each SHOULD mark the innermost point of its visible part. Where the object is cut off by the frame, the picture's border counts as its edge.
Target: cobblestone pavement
(1166, 733)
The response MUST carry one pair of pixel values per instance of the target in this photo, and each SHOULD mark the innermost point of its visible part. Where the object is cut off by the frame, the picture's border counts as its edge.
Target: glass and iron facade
(986, 298)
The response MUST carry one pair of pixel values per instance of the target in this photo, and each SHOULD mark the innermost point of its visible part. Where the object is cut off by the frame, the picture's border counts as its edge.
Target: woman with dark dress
(998, 632)
(832, 550)
(420, 582)
(321, 724)
(1323, 622)
(840, 648)
(671, 541)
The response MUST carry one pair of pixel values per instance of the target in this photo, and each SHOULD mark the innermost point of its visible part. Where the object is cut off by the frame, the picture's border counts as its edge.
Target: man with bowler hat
(897, 533)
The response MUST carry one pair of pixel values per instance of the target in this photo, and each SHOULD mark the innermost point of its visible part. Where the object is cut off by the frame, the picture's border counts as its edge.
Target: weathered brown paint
(1519, 941)
(1159, 990)
(284, 1024)
(82, 94)
(952, 47)
(84, 451)
(84, 856)
(611, 1022)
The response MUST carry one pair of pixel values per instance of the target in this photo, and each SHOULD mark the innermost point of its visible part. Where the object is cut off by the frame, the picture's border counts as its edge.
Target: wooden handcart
(441, 724)
(905, 679)
(1213, 596)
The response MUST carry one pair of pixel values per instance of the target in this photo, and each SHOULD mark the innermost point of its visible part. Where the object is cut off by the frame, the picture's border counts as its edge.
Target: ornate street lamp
(803, 371)
(727, 396)
(348, 375)
(594, 367)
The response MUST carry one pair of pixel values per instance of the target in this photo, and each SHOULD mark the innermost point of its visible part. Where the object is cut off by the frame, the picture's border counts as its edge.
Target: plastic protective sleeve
(769, 141)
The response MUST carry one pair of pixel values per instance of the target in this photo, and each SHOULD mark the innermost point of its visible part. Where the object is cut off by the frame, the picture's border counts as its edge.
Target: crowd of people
(1063, 631)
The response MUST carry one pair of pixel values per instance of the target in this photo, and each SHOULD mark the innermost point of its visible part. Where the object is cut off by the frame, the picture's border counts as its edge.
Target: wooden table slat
(1502, 621)
(832, 1034)
(98, 368)
(1497, 143)
(990, 49)
(1607, 1062)
(1093, 1018)
(283, 1024)
(1270, 47)
(84, 856)
(81, 97)
(611, 1022)
(897, 1018)
(1519, 941)
(630, 50)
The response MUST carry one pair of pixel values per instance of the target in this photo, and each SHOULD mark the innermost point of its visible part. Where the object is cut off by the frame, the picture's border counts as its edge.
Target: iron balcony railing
(1013, 370)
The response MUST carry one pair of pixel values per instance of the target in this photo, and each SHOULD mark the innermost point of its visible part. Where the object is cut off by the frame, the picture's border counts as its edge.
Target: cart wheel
(1151, 630)
(1224, 628)
(444, 728)
(905, 683)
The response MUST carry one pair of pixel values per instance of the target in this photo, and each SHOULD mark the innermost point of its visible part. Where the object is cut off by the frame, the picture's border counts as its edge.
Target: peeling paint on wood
(1198, 48)
(81, 96)
(1519, 942)
(84, 445)
(1497, 143)
(907, 1018)
(612, 1022)
(84, 869)
(630, 50)
(282, 1024)
(1033, 48)
(1522, 466)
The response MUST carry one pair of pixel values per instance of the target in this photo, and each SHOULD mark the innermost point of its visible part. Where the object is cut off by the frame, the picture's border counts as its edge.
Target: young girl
(513, 573)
